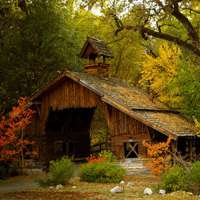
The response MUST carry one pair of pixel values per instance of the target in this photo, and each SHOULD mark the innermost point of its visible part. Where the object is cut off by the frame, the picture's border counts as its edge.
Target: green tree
(151, 17)
(37, 39)
(187, 82)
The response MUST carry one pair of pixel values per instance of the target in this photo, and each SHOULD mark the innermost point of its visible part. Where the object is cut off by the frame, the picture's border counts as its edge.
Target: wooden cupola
(96, 52)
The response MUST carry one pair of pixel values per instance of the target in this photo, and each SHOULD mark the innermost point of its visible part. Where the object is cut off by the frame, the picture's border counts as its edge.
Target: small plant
(108, 155)
(176, 178)
(60, 171)
(195, 172)
(194, 175)
(104, 172)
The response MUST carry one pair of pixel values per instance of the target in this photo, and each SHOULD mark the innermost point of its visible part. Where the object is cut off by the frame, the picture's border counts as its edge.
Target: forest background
(155, 45)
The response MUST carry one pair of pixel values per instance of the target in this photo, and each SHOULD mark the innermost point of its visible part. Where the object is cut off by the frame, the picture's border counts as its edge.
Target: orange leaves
(95, 159)
(20, 116)
(12, 143)
(160, 159)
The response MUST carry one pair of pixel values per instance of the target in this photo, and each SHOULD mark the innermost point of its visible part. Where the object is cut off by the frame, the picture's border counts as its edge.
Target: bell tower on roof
(97, 53)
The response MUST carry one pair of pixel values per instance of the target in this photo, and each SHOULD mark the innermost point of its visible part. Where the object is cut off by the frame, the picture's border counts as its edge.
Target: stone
(122, 182)
(116, 189)
(130, 184)
(161, 191)
(30, 171)
(51, 187)
(148, 191)
(74, 187)
(59, 187)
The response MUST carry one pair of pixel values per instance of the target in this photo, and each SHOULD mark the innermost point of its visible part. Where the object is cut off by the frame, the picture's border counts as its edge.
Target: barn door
(131, 149)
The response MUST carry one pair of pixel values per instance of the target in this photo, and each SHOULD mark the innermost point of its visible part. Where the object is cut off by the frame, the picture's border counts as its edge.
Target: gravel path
(18, 184)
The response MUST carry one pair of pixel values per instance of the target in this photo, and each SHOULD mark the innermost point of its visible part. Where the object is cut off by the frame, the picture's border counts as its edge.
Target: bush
(194, 175)
(103, 156)
(60, 171)
(107, 155)
(104, 172)
(175, 179)
(195, 172)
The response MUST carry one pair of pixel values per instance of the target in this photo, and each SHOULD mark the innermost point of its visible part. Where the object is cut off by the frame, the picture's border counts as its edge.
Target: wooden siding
(123, 128)
(67, 94)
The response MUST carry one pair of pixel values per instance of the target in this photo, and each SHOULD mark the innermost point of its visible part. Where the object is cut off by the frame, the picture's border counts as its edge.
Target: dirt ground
(77, 190)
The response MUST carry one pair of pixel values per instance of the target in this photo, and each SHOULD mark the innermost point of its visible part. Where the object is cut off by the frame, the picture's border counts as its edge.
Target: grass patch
(99, 191)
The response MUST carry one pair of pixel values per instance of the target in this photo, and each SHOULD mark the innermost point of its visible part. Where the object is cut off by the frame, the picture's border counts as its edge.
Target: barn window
(131, 149)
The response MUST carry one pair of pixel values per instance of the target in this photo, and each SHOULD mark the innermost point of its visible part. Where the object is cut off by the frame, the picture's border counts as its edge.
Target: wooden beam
(155, 110)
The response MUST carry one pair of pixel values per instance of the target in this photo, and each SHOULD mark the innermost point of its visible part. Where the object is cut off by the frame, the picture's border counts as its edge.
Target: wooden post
(190, 149)
(174, 150)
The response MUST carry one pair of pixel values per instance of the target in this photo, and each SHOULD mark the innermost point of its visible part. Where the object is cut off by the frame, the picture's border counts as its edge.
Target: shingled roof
(131, 101)
(99, 47)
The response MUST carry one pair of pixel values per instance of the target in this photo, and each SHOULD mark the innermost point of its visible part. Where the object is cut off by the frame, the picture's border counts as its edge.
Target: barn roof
(129, 100)
(99, 47)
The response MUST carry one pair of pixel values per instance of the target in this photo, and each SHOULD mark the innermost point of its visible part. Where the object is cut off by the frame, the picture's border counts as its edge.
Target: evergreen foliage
(34, 44)
(60, 172)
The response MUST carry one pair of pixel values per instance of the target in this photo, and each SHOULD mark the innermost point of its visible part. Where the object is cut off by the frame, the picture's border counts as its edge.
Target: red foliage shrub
(13, 142)
(96, 159)
(159, 154)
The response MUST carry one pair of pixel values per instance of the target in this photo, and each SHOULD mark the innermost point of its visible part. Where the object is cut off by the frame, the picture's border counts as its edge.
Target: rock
(122, 182)
(74, 187)
(130, 184)
(161, 191)
(51, 187)
(59, 187)
(148, 191)
(116, 189)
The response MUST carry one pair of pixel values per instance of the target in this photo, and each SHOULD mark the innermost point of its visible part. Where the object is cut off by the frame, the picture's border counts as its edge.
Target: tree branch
(192, 10)
(186, 23)
(191, 47)
(145, 32)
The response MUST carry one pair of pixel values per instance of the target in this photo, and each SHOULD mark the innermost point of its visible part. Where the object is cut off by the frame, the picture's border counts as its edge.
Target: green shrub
(104, 172)
(195, 172)
(60, 171)
(194, 177)
(175, 179)
(108, 155)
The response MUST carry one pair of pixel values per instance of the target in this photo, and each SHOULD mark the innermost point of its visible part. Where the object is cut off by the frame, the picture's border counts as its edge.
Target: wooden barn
(66, 105)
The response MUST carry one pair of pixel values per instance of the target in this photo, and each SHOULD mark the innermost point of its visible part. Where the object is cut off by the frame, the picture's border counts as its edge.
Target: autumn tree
(13, 142)
(160, 156)
(158, 72)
